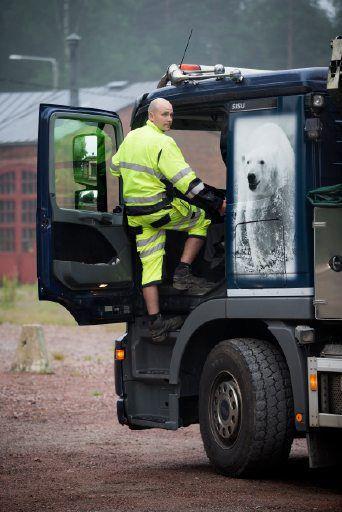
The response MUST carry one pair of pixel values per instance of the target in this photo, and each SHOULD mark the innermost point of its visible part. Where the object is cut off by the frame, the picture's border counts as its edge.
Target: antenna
(187, 44)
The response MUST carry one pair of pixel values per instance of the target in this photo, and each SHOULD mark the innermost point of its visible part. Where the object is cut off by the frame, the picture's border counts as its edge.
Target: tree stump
(31, 354)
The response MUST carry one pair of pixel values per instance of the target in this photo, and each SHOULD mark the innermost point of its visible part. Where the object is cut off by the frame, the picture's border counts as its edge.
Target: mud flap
(325, 448)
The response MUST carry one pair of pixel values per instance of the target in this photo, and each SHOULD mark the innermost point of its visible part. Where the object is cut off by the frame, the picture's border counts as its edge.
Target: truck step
(153, 421)
(153, 374)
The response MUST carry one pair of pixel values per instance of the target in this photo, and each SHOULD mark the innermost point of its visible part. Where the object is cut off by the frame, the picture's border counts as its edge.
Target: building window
(7, 240)
(28, 182)
(7, 183)
(7, 211)
(28, 239)
(28, 211)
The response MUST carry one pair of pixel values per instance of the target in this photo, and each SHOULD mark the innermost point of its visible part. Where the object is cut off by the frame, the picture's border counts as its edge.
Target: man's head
(160, 112)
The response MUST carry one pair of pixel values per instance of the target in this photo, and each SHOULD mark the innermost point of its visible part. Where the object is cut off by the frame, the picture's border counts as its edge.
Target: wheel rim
(225, 409)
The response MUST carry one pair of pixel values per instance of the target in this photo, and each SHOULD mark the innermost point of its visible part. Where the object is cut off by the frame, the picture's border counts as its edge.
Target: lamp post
(51, 60)
(73, 43)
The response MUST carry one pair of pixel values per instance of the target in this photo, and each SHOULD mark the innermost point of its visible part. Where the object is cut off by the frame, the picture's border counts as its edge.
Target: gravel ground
(62, 448)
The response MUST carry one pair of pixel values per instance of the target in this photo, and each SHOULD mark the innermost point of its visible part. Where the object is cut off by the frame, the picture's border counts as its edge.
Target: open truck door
(84, 258)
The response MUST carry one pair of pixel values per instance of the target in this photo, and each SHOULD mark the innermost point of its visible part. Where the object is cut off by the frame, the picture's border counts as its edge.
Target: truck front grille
(335, 392)
(331, 393)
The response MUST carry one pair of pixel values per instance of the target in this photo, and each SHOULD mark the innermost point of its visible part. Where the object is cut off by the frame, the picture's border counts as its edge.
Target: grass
(9, 292)
(76, 373)
(58, 356)
(25, 308)
(96, 393)
(19, 304)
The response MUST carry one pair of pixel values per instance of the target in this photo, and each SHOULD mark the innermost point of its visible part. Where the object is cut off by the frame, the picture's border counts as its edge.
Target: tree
(137, 40)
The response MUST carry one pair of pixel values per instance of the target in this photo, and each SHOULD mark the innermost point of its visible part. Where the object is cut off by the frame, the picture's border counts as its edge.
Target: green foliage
(138, 40)
(9, 292)
(337, 19)
(96, 393)
(58, 356)
(27, 309)
(290, 34)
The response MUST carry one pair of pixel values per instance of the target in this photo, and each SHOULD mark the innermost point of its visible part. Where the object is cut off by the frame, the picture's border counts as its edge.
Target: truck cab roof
(255, 84)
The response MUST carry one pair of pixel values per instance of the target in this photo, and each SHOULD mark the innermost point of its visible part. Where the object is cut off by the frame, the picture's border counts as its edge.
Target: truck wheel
(246, 407)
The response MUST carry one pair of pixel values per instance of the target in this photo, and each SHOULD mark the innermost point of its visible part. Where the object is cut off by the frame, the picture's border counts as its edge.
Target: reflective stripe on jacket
(146, 157)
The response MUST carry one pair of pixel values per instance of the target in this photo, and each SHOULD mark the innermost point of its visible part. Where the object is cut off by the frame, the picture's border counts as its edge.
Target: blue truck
(258, 360)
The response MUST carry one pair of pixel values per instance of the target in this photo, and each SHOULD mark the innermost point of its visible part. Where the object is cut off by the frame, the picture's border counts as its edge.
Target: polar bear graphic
(266, 184)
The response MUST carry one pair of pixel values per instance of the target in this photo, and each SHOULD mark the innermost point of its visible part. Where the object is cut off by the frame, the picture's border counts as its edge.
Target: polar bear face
(262, 171)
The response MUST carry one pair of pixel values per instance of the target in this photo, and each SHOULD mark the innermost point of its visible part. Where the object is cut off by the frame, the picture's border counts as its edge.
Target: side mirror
(86, 200)
(88, 154)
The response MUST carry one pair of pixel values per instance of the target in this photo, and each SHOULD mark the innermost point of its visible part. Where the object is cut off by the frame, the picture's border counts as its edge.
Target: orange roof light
(190, 67)
(313, 382)
(120, 354)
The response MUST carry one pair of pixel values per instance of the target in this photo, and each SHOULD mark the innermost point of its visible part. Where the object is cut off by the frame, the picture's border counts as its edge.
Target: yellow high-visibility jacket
(147, 156)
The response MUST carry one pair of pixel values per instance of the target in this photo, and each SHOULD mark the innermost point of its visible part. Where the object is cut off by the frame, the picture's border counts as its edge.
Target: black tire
(246, 407)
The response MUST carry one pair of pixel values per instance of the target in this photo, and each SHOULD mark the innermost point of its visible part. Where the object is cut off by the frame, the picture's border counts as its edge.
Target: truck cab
(258, 360)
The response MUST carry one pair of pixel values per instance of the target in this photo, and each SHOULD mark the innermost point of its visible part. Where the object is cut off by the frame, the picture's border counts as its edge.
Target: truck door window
(201, 149)
(83, 151)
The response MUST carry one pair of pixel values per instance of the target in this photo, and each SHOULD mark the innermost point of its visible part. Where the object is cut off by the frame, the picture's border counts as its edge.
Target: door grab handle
(105, 220)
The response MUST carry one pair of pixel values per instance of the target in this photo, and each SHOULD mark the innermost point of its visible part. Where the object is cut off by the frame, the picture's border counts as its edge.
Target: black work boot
(183, 279)
(160, 327)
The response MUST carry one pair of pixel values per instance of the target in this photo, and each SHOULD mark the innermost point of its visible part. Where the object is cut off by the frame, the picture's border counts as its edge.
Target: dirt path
(62, 448)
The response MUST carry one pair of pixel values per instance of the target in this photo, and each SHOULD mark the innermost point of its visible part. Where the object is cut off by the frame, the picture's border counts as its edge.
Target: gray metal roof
(19, 110)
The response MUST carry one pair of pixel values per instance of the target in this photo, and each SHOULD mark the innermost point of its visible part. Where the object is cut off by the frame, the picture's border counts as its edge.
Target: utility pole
(73, 42)
(66, 32)
(290, 21)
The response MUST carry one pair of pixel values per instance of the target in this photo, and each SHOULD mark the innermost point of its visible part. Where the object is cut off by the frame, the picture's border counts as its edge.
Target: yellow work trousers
(179, 216)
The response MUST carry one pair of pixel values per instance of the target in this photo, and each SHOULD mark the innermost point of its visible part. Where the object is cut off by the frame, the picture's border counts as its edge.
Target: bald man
(147, 160)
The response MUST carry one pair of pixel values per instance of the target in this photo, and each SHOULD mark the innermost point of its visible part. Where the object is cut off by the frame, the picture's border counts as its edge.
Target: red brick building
(18, 212)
